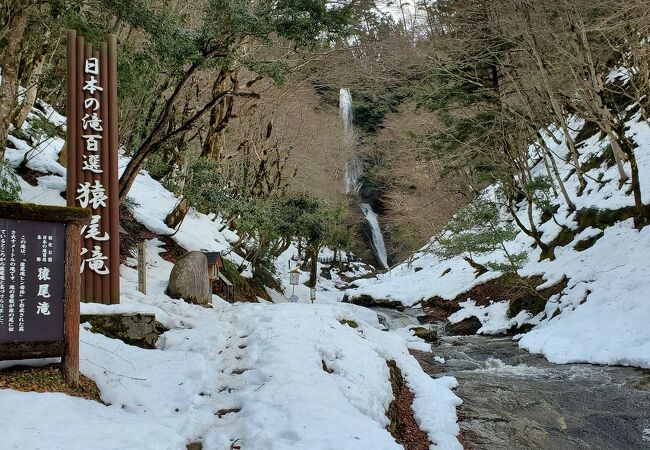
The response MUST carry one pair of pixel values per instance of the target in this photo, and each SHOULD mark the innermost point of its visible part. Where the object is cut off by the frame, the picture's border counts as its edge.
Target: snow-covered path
(255, 376)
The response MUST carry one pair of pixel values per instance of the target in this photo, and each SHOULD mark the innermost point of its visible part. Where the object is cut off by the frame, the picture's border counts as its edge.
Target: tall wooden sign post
(92, 149)
(40, 254)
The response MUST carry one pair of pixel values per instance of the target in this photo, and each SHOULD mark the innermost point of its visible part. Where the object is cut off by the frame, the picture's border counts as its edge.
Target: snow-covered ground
(604, 311)
(279, 375)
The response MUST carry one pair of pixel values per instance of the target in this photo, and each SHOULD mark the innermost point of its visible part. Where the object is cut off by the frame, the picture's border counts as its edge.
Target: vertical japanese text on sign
(92, 163)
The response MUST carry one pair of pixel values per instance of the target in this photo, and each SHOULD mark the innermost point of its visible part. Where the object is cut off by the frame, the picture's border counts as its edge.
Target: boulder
(369, 302)
(189, 279)
(177, 215)
(137, 329)
(465, 327)
(426, 334)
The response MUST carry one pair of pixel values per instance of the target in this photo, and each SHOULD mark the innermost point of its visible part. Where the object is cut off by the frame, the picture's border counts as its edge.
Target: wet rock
(437, 309)
(426, 334)
(642, 383)
(465, 327)
(368, 301)
(189, 279)
(141, 330)
(526, 297)
(326, 272)
(521, 292)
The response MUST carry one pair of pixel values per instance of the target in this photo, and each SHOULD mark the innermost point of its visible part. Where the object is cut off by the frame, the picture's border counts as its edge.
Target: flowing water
(352, 183)
(377, 238)
(516, 400)
(353, 167)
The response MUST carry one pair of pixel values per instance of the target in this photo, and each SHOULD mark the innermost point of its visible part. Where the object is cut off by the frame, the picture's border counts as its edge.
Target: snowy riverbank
(602, 314)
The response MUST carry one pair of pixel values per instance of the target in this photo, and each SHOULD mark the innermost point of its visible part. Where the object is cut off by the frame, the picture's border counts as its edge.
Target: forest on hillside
(233, 105)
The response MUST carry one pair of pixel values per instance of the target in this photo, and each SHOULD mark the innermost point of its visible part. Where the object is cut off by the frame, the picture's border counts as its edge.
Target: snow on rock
(493, 318)
(327, 289)
(42, 157)
(331, 390)
(197, 232)
(412, 341)
(262, 375)
(425, 277)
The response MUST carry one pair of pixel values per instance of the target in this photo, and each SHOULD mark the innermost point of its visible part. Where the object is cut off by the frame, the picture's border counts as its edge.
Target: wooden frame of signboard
(68, 348)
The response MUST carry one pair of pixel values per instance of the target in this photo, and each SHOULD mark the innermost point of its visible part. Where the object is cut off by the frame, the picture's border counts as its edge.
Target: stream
(516, 400)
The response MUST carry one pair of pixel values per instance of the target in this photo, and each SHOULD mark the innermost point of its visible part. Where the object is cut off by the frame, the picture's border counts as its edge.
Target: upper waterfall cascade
(353, 166)
(353, 170)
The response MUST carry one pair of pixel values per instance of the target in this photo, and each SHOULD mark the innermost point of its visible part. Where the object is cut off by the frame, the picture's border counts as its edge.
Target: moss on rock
(584, 244)
(141, 330)
(603, 218)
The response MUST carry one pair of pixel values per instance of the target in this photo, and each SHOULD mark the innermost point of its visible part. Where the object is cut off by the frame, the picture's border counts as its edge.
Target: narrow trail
(516, 400)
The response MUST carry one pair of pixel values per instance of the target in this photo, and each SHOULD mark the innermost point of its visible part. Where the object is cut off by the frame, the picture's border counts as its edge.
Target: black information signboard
(32, 267)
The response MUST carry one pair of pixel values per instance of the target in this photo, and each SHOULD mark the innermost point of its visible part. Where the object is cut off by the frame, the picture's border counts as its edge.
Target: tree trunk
(547, 252)
(313, 270)
(642, 210)
(549, 175)
(557, 111)
(284, 246)
(131, 172)
(617, 152)
(32, 91)
(547, 153)
(574, 154)
(9, 86)
(219, 116)
(157, 138)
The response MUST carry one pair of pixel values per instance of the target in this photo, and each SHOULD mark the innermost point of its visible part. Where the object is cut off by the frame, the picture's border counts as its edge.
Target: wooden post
(113, 206)
(70, 360)
(87, 176)
(142, 267)
(79, 143)
(71, 112)
(105, 150)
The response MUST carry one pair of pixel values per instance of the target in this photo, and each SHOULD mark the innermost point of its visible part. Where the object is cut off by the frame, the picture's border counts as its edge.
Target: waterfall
(353, 166)
(345, 109)
(377, 238)
(353, 170)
